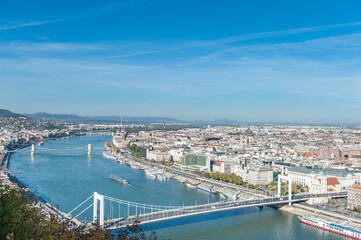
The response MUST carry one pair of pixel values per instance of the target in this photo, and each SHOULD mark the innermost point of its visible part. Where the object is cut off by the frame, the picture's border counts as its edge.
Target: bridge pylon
(100, 198)
(32, 149)
(89, 149)
(289, 187)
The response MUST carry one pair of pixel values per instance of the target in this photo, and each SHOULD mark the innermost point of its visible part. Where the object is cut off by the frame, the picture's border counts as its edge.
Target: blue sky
(289, 61)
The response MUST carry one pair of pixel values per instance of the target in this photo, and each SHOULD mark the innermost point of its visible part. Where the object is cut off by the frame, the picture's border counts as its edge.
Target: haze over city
(191, 60)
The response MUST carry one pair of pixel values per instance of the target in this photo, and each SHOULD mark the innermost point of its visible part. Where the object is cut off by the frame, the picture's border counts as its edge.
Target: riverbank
(226, 189)
(300, 209)
(68, 178)
(12, 181)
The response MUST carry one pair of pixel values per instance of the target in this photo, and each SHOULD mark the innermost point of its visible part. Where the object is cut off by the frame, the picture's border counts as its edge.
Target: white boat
(150, 173)
(109, 155)
(135, 166)
(118, 179)
(206, 189)
(331, 227)
(192, 184)
(162, 176)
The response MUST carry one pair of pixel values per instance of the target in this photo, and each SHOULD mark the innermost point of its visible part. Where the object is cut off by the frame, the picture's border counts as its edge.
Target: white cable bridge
(123, 213)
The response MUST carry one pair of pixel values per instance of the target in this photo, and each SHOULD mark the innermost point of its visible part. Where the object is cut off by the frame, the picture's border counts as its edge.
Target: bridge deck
(209, 208)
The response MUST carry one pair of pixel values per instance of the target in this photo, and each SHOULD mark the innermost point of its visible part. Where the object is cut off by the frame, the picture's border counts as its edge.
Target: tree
(358, 208)
(21, 218)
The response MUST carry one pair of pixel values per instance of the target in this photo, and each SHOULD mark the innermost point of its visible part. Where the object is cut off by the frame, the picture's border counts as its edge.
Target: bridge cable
(81, 204)
(84, 210)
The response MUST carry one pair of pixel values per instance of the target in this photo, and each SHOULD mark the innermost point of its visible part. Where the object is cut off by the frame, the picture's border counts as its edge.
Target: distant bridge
(32, 151)
(146, 213)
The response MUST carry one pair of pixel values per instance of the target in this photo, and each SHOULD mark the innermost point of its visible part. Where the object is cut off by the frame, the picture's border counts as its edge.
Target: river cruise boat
(162, 177)
(150, 173)
(118, 179)
(135, 166)
(109, 155)
(331, 227)
(206, 189)
(192, 184)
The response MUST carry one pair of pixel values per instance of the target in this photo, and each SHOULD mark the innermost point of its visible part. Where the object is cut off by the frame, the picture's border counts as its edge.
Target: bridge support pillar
(279, 186)
(32, 149)
(89, 149)
(100, 198)
(289, 191)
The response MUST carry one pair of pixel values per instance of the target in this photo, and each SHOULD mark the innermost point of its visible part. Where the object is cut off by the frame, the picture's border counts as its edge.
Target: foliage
(21, 218)
(275, 175)
(232, 178)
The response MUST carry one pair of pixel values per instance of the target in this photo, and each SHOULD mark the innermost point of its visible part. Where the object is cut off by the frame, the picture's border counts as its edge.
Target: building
(221, 166)
(256, 175)
(158, 155)
(354, 197)
(322, 180)
(120, 142)
(194, 159)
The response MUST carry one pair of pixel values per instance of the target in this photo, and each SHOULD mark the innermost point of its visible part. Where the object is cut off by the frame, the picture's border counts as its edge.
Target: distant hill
(56, 117)
(100, 119)
(220, 122)
(7, 114)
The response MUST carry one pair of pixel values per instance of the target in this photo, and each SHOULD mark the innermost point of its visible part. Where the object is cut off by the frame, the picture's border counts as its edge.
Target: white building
(256, 175)
(326, 180)
(158, 155)
(354, 197)
(120, 142)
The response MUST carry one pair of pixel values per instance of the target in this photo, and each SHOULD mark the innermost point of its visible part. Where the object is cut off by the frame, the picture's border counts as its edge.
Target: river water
(67, 178)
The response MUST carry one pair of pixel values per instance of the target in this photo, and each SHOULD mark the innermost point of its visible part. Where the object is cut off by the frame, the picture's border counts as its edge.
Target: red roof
(162, 149)
(331, 181)
(357, 187)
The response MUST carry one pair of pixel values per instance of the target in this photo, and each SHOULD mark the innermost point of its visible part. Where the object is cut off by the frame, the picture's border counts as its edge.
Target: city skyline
(259, 61)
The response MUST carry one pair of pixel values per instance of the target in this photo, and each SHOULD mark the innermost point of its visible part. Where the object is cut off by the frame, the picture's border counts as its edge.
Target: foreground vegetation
(20, 218)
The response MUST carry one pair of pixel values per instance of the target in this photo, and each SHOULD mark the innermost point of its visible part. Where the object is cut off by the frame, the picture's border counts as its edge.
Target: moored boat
(331, 227)
(150, 173)
(192, 184)
(162, 177)
(109, 155)
(206, 189)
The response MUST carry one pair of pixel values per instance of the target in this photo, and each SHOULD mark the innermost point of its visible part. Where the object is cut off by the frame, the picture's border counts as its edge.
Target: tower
(100, 198)
(32, 149)
(89, 149)
(324, 181)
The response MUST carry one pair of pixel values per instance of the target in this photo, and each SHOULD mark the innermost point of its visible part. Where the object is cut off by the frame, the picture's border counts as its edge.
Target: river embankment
(300, 209)
(46, 207)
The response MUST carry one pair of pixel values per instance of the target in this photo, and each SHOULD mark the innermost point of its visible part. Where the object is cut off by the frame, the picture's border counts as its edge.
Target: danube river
(66, 178)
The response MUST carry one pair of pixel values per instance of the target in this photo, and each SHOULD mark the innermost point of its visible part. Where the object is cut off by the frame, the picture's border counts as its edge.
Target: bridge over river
(146, 213)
